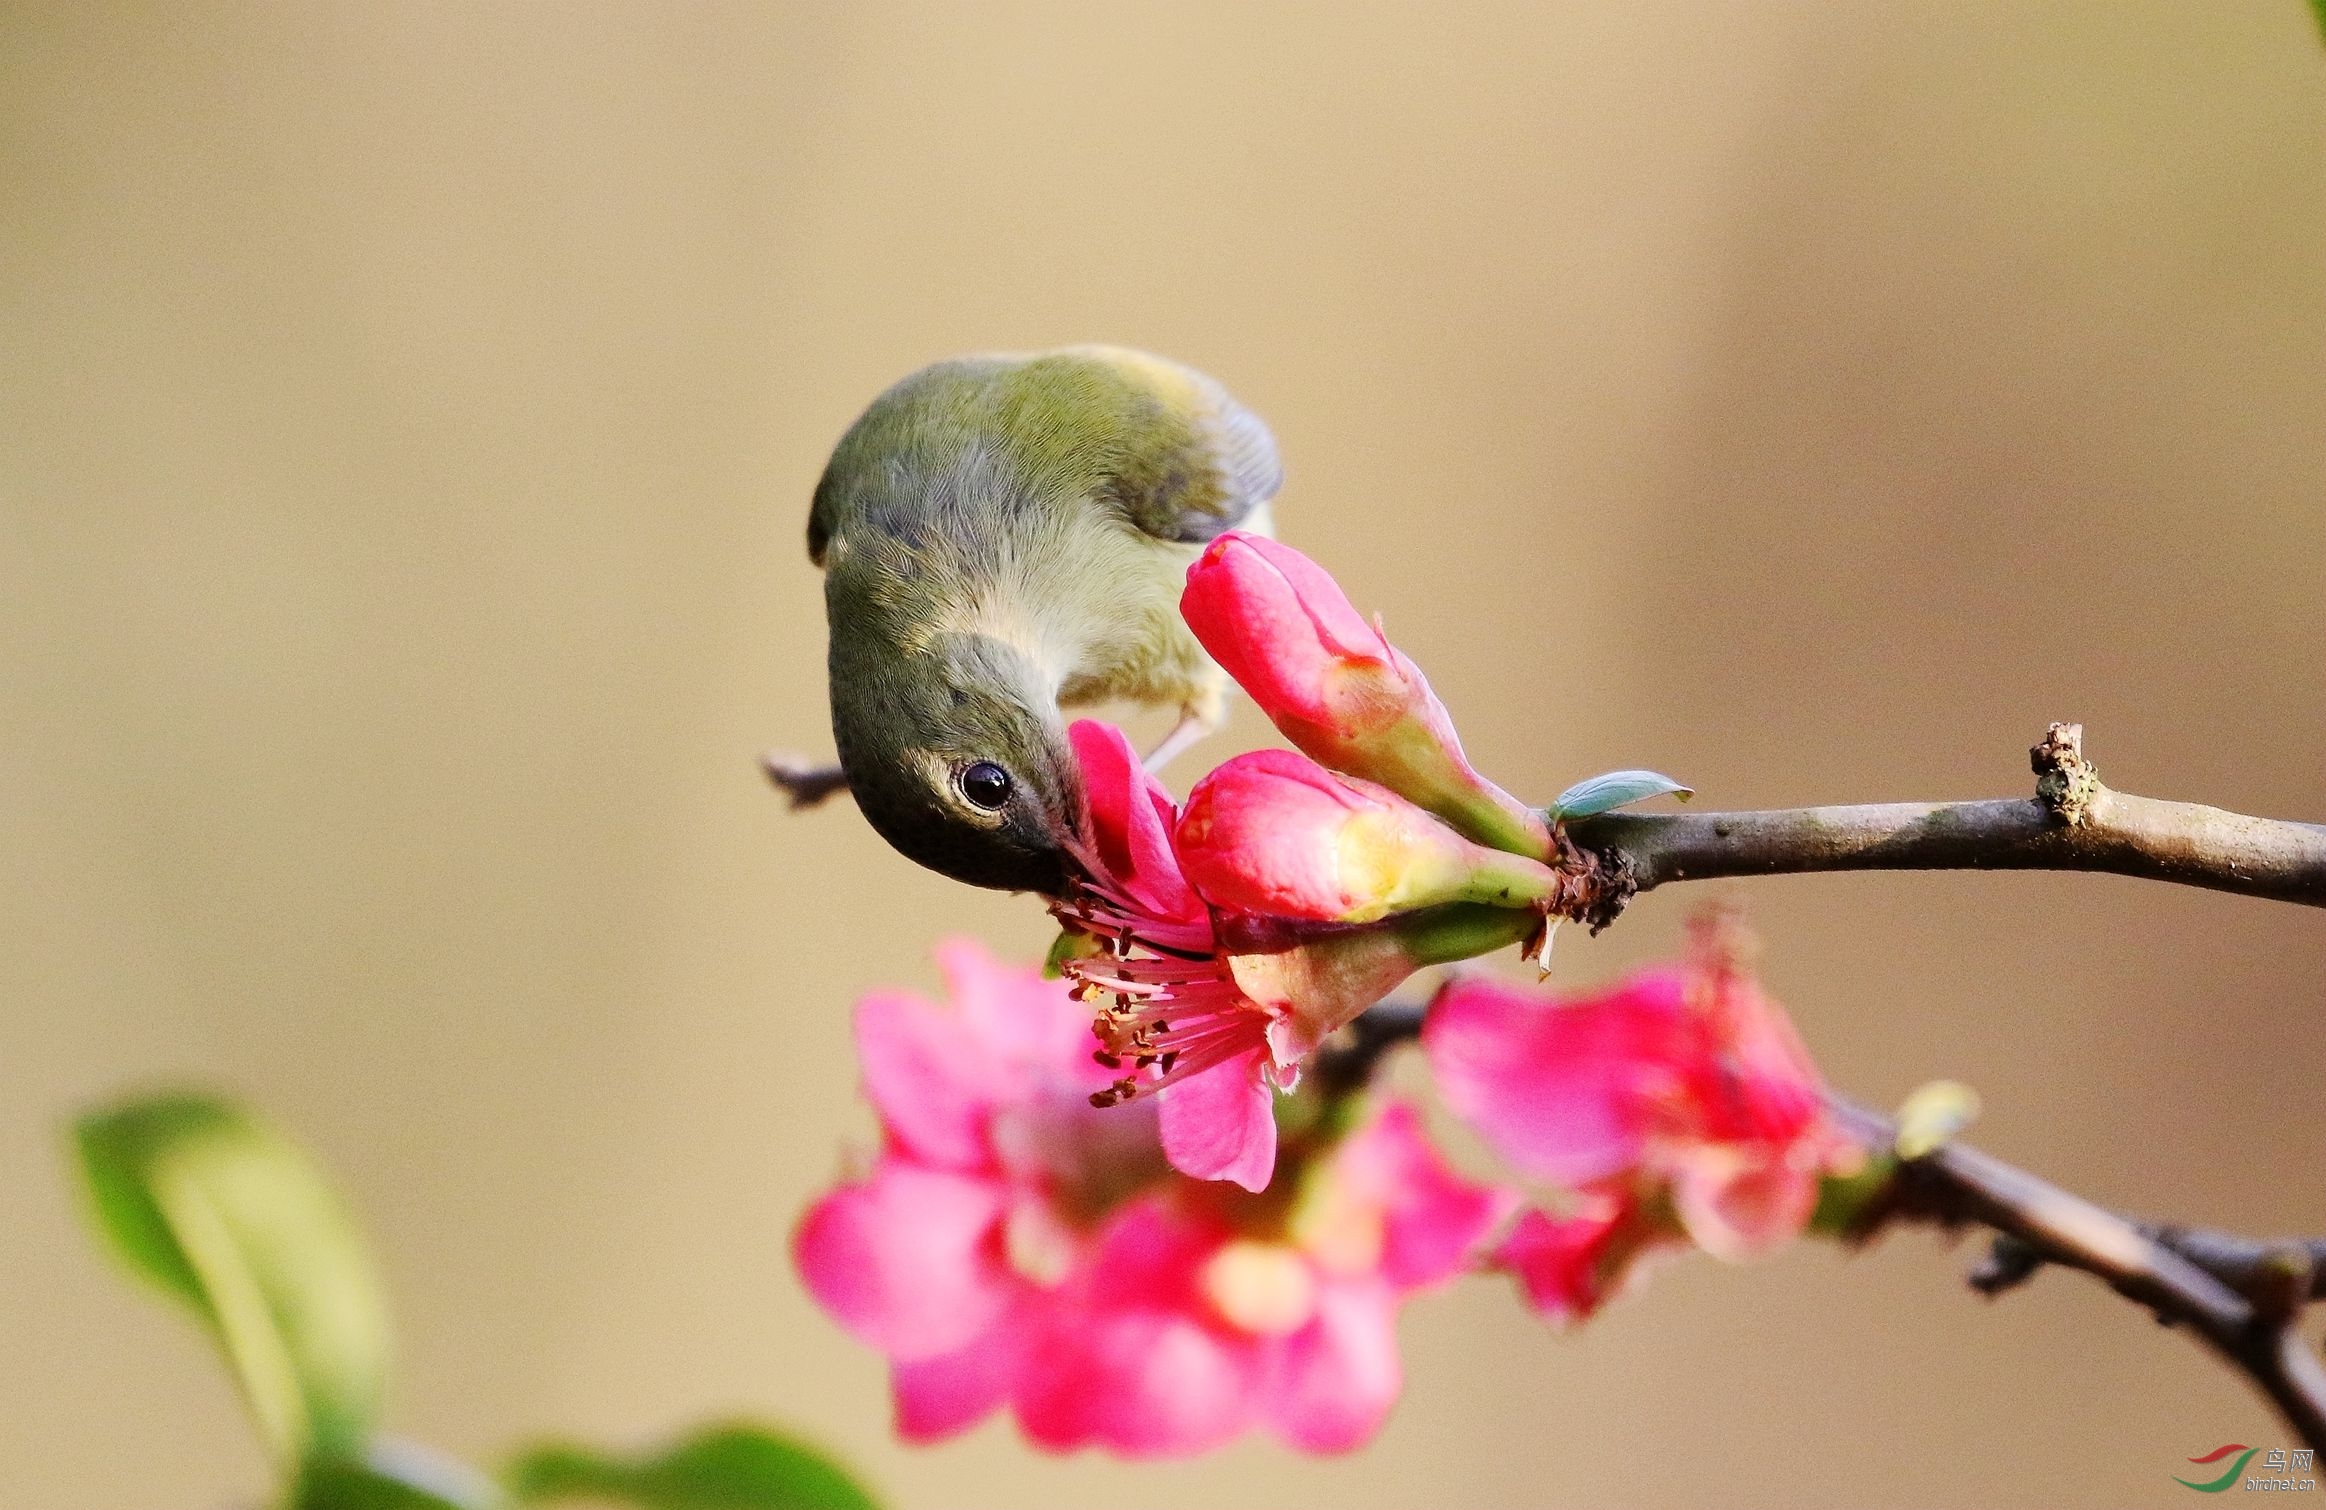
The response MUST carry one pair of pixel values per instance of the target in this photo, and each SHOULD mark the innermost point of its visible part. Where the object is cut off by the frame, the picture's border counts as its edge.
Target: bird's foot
(1193, 726)
(804, 781)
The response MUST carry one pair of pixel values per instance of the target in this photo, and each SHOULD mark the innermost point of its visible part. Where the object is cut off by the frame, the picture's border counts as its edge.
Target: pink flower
(1130, 863)
(1687, 1087)
(1012, 1246)
(1176, 1015)
(1273, 833)
(1217, 1011)
(1568, 1090)
(1207, 1317)
(1337, 688)
(987, 1139)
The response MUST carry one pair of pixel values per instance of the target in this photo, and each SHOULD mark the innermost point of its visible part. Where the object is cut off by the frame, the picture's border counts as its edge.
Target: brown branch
(806, 782)
(2243, 1298)
(2072, 823)
(2294, 1266)
(1351, 1056)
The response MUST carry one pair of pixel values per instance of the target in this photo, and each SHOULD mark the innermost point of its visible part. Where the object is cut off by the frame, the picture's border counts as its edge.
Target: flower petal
(1131, 820)
(1564, 1091)
(1433, 1220)
(1133, 1366)
(1144, 1384)
(1026, 1022)
(931, 1082)
(1220, 1123)
(1741, 1202)
(1337, 1378)
(909, 1261)
(1569, 1266)
(938, 1397)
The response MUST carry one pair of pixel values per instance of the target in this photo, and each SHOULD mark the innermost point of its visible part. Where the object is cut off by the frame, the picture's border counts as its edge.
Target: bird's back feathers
(1052, 502)
(1158, 442)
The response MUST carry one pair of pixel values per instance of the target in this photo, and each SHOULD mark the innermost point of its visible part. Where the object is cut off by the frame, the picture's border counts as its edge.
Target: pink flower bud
(1339, 690)
(1274, 834)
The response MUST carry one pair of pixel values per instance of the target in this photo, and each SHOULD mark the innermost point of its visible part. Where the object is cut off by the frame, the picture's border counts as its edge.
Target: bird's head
(956, 754)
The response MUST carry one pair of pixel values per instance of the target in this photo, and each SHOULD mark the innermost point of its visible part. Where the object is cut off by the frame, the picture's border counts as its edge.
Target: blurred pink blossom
(1571, 1264)
(1682, 1097)
(1013, 1246)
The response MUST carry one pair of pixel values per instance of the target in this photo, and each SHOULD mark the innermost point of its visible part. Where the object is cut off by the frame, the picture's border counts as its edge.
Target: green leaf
(1604, 794)
(395, 1476)
(733, 1467)
(235, 1221)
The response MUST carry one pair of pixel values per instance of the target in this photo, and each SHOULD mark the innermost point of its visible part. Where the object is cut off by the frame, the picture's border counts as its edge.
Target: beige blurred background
(407, 418)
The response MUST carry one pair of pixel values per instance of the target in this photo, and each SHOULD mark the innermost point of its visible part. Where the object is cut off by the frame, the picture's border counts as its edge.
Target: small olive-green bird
(1003, 538)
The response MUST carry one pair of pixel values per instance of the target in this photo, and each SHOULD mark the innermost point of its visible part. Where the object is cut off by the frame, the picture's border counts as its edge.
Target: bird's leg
(1195, 722)
(800, 779)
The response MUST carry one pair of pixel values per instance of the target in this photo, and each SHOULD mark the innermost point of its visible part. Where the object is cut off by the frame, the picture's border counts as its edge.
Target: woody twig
(2073, 822)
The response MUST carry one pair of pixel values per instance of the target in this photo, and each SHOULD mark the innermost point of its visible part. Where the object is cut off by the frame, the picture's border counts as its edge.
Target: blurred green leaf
(396, 1476)
(235, 1221)
(1604, 794)
(2319, 7)
(1844, 1200)
(723, 1468)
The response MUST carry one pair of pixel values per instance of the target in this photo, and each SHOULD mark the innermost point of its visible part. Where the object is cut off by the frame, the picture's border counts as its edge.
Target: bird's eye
(987, 785)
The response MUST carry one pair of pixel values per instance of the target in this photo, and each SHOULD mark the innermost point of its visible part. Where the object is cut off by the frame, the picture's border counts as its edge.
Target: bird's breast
(1092, 602)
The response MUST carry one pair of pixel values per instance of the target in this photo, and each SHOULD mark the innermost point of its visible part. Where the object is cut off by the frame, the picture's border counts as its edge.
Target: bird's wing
(1161, 442)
